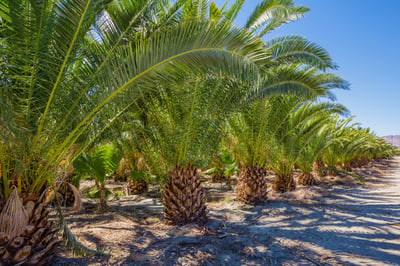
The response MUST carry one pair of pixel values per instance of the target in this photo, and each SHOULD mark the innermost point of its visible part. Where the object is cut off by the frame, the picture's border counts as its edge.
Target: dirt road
(352, 225)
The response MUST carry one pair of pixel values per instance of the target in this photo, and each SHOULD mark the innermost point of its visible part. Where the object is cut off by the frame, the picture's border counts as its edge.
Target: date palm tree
(310, 155)
(180, 133)
(293, 140)
(263, 125)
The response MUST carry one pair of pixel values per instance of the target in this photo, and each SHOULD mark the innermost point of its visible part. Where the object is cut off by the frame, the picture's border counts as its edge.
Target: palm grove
(164, 88)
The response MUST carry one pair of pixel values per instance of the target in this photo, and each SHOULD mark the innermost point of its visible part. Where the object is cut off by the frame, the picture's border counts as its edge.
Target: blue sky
(363, 38)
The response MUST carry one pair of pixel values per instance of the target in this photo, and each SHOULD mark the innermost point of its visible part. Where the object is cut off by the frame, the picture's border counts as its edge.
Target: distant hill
(394, 139)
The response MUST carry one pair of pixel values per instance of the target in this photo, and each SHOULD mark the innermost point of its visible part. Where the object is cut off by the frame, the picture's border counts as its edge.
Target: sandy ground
(337, 223)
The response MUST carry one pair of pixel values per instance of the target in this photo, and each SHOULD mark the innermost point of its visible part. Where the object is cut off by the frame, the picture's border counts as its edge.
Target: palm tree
(259, 131)
(299, 141)
(67, 65)
(101, 163)
(181, 133)
(309, 157)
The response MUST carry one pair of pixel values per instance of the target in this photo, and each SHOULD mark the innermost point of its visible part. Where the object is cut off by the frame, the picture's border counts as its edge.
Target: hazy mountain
(394, 139)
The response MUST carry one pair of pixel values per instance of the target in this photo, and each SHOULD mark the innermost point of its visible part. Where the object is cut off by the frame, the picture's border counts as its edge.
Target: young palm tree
(286, 52)
(101, 163)
(340, 134)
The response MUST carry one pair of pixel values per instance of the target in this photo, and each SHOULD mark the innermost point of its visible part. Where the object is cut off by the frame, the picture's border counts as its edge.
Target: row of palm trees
(171, 80)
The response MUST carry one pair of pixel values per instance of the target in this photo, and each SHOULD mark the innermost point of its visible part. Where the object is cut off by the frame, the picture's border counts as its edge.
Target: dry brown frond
(78, 198)
(13, 217)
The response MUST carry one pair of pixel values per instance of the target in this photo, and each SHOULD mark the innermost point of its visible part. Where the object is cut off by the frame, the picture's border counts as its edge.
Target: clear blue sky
(363, 38)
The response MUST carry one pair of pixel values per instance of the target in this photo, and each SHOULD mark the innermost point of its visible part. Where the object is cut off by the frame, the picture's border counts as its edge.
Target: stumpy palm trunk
(184, 198)
(252, 186)
(27, 236)
(307, 179)
(318, 167)
(284, 183)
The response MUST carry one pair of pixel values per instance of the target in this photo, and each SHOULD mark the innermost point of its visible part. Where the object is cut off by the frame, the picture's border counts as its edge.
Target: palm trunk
(318, 168)
(252, 186)
(183, 197)
(284, 183)
(307, 179)
(35, 241)
(103, 202)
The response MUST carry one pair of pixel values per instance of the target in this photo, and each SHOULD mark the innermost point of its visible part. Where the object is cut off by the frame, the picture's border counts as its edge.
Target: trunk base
(307, 179)
(317, 168)
(102, 207)
(37, 243)
(252, 185)
(183, 198)
(136, 187)
(284, 183)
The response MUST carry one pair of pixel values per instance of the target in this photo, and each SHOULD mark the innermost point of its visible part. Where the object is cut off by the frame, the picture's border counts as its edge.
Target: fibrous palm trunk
(184, 198)
(66, 192)
(307, 179)
(284, 183)
(136, 187)
(123, 171)
(36, 238)
(318, 167)
(252, 185)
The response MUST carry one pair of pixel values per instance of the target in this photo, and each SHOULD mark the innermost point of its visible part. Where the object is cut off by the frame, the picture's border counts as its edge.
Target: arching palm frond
(231, 12)
(271, 14)
(294, 48)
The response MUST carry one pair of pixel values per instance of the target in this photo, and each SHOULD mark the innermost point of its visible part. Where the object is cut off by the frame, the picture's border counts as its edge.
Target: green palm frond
(103, 161)
(195, 10)
(231, 12)
(297, 49)
(271, 14)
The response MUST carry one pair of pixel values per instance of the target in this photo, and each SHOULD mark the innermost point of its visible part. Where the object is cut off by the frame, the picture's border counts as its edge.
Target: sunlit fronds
(271, 14)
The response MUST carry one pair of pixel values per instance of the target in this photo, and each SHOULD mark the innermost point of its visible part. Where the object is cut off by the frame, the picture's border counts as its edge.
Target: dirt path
(348, 225)
(354, 225)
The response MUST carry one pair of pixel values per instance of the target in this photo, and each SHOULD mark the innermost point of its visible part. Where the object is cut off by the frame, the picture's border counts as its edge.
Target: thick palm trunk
(284, 183)
(36, 238)
(183, 197)
(252, 186)
(307, 179)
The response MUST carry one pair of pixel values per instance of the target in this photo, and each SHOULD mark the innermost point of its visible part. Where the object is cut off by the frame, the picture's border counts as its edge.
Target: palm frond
(271, 14)
(232, 11)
